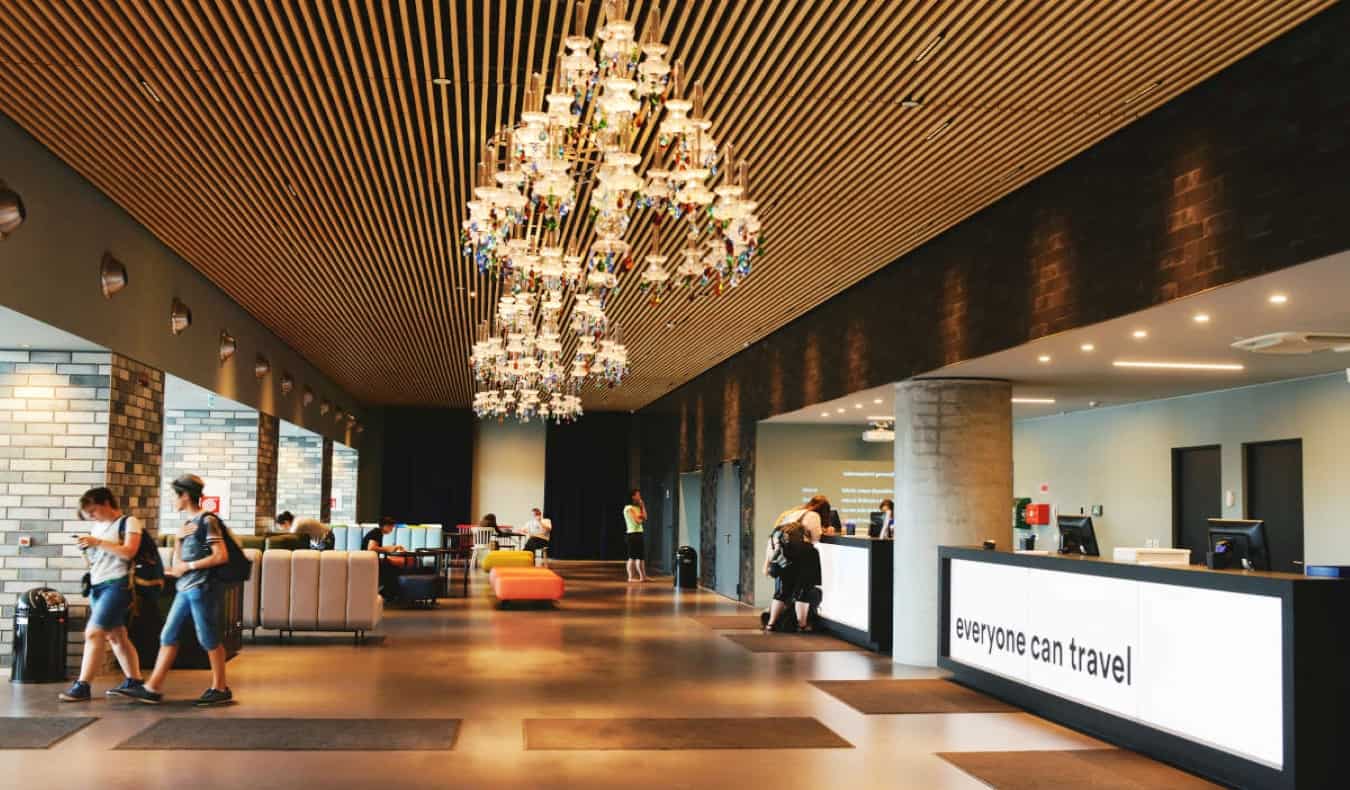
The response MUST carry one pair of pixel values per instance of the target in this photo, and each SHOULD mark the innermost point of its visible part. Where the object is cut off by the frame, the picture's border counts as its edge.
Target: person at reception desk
(887, 508)
(794, 564)
(817, 511)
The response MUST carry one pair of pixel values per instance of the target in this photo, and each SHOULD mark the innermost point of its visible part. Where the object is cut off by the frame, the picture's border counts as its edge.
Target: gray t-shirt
(104, 566)
(194, 548)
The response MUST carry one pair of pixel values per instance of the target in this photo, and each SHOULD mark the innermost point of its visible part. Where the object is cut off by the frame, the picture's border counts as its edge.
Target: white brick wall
(220, 446)
(53, 447)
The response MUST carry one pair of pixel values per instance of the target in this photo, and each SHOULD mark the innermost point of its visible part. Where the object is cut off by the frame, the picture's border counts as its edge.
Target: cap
(189, 484)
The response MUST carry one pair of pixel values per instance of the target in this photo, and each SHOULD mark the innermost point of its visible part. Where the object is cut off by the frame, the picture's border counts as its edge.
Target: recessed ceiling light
(442, 81)
(1179, 365)
(932, 45)
(1144, 91)
(840, 409)
(876, 400)
(25, 345)
(857, 405)
(1201, 318)
(1043, 358)
(824, 414)
(1088, 347)
(473, 294)
(1140, 334)
(888, 417)
(1033, 400)
(1278, 298)
(150, 92)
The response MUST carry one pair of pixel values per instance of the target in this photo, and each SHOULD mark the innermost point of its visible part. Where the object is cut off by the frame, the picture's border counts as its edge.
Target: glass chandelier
(569, 169)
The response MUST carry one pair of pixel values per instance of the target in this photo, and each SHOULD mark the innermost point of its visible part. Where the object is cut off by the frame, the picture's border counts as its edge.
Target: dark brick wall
(265, 511)
(326, 483)
(1244, 174)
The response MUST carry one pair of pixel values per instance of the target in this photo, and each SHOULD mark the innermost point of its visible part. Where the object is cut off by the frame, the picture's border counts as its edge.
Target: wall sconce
(12, 213)
(287, 384)
(308, 397)
(180, 317)
(227, 346)
(325, 406)
(112, 276)
(261, 367)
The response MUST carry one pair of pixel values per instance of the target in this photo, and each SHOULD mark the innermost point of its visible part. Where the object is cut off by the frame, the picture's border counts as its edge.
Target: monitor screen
(1238, 543)
(1076, 536)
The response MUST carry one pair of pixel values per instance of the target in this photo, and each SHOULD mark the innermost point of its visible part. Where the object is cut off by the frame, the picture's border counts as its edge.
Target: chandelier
(570, 170)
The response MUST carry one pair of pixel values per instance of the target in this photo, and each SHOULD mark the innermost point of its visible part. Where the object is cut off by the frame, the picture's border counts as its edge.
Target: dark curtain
(586, 473)
(428, 465)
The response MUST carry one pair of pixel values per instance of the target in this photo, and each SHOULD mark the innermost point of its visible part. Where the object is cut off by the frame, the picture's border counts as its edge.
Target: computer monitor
(834, 520)
(1076, 536)
(1238, 543)
(875, 521)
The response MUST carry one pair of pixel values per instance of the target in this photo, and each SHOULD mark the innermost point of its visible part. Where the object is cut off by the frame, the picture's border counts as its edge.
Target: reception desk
(856, 589)
(1237, 676)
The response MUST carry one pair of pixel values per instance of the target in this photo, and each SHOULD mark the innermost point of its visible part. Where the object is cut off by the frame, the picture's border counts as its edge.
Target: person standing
(887, 519)
(537, 531)
(200, 547)
(110, 547)
(634, 517)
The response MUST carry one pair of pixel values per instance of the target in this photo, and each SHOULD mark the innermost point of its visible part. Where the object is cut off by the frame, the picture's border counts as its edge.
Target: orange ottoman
(526, 584)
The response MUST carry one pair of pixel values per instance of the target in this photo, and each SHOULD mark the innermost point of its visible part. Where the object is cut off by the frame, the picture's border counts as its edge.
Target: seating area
(515, 583)
(410, 536)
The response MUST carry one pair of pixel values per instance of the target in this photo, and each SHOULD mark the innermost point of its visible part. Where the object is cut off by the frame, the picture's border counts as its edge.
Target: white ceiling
(1318, 295)
(180, 394)
(19, 332)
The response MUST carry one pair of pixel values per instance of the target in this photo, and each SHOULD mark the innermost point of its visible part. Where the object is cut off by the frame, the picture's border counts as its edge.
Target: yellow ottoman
(508, 559)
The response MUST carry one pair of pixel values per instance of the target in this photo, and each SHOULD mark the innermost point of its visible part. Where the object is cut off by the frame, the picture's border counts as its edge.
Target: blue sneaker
(127, 685)
(142, 694)
(78, 692)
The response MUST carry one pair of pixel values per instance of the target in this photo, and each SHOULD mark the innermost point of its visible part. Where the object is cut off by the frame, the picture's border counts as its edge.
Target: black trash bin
(40, 618)
(686, 568)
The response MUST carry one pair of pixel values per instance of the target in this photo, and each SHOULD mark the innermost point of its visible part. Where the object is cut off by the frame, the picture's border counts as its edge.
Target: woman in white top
(109, 547)
(537, 530)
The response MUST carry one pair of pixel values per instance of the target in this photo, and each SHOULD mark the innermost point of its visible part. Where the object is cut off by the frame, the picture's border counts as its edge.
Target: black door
(1274, 484)
(1196, 497)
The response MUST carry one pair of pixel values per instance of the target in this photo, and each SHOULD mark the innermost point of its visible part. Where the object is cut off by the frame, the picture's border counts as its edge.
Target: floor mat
(668, 734)
(728, 622)
(1100, 769)
(883, 695)
(39, 732)
(789, 643)
(296, 735)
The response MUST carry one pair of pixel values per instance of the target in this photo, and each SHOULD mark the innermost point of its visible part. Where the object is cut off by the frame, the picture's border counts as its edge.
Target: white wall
(793, 462)
(508, 470)
(1121, 458)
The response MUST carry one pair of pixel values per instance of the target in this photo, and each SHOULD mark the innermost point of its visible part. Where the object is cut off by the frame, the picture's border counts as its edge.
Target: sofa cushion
(304, 589)
(502, 558)
(332, 589)
(364, 607)
(252, 588)
(544, 585)
(275, 598)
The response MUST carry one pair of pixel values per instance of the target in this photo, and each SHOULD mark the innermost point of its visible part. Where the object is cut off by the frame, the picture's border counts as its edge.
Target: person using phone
(634, 516)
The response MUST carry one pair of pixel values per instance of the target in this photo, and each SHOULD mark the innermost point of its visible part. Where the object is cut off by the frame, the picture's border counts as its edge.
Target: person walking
(110, 547)
(634, 516)
(200, 547)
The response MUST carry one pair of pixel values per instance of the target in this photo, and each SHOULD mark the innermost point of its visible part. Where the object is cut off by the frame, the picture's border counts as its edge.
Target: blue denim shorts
(202, 604)
(109, 603)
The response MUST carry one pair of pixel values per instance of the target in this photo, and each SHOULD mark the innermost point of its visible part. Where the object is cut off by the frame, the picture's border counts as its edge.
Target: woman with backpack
(793, 562)
(201, 548)
(111, 548)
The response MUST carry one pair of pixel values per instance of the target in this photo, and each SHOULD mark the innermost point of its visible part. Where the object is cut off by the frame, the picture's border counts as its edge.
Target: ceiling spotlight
(840, 409)
(150, 92)
(1140, 334)
(1033, 400)
(1278, 299)
(112, 276)
(227, 346)
(1201, 318)
(824, 414)
(1043, 358)
(670, 325)
(441, 81)
(12, 212)
(942, 128)
(180, 317)
(261, 367)
(307, 398)
(1088, 347)
(932, 45)
(325, 406)
(1144, 91)
(857, 405)
(287, 384)
(1178, 365)
(876, 400)
(1092, 404)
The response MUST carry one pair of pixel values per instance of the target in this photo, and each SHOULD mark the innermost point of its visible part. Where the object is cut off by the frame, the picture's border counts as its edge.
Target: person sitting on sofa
(319, 536)
(284, 521)
(374, 541)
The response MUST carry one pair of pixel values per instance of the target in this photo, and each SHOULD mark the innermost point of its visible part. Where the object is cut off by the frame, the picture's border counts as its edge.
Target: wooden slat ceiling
(298, 153)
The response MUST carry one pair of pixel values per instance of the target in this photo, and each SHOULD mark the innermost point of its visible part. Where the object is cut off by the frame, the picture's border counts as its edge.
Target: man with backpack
(204, 559)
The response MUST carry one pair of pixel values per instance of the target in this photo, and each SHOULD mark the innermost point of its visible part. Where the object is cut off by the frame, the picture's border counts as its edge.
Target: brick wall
(326, 483)
(345, 467)
(219, 446)
(299, 472)
(265, 510)
(136, 423)
(53, 447)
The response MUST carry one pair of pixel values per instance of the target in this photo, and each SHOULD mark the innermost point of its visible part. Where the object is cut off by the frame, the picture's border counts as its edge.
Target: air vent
(1295, 343)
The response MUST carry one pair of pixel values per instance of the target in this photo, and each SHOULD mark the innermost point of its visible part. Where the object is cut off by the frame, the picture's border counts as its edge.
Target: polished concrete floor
(610, 650)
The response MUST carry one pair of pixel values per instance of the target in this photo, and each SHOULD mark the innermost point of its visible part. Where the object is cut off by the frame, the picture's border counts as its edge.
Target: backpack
(237, 567)
(146, 568)
(784, 535)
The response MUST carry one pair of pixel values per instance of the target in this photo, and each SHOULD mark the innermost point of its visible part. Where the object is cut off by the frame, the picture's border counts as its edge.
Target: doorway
(1197, 496)
(727, 579)
(691, 507)
(1273, 481)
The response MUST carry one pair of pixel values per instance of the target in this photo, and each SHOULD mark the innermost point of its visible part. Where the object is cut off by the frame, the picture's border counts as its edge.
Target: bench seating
(410, 536)
(503, 558)
(309, 590)
(526, 584)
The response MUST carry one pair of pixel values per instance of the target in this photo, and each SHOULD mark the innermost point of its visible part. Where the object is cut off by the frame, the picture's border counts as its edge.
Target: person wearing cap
(200, 547)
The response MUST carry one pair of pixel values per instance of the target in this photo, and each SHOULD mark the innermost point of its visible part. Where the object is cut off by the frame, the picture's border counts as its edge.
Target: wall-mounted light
(308, 397)
(287, 384)
(112, 275)
(227, 346)
(261, 367)
(12, 212)
(324, 406)
(180, 317)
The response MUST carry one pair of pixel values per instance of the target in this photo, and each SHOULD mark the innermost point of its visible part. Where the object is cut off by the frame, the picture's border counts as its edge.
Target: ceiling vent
(1295, 343)
(879, 431)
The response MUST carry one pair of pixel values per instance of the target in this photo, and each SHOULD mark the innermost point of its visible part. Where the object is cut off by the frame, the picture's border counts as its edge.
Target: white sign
(1201, 664)
(220, 489)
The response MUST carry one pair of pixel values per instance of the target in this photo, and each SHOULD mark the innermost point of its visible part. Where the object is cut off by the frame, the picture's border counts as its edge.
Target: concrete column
(953, 486)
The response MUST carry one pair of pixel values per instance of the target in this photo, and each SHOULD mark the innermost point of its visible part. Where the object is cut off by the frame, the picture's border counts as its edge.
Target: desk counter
(856, 589)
